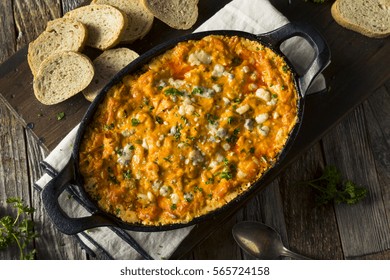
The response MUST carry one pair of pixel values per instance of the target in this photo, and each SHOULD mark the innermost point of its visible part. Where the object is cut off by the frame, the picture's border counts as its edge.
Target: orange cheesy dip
(189, 132)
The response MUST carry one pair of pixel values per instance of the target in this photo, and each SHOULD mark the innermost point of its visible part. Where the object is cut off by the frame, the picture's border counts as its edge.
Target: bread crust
(140, 19)
(362, 28)
(61, 76)
(62, 34)
(106, 66)
(103, 33)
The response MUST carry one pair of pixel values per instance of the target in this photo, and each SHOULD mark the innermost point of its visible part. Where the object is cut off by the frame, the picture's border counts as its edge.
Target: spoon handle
(288, 253)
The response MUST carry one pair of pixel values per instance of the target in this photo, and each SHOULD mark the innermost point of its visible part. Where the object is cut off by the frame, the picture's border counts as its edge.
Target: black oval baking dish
(70, 178)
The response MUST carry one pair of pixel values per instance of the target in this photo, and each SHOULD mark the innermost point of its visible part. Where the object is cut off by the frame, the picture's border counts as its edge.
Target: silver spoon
(261, 241)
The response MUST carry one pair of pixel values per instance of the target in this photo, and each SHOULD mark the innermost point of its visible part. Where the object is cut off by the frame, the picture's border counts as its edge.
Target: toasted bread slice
(61, 76)
(139, 18)
(368, 17)
(105, 24)
(62, 34)
(106, 66)
(178, 14)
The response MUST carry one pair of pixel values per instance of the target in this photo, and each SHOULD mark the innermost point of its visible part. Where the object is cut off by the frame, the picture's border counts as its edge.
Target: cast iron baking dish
(69, 179)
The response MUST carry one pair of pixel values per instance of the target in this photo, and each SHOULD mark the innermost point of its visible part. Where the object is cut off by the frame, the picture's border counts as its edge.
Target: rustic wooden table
(348, 127)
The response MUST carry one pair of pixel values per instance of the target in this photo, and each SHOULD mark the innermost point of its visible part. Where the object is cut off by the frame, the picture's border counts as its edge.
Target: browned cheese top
(189, 132)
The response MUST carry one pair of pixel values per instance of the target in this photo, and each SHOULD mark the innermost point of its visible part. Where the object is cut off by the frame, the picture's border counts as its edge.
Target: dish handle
(60, 219)
(316, 41)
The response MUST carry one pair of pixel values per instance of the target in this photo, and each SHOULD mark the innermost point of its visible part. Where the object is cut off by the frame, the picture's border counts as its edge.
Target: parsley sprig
(330, 187)
(19, 229)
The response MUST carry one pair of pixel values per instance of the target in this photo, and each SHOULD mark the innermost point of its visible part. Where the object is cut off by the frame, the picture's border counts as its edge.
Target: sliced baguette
(105, 24)
(368, 17)
(106, 66)
(62, 34)
(139, 18)
(178, 14)
(61, 76)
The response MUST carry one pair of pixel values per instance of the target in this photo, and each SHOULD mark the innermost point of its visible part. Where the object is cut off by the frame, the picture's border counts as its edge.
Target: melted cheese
(191, 131)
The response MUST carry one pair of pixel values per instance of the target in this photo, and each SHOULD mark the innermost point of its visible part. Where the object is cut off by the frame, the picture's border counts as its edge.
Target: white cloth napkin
(254, 16)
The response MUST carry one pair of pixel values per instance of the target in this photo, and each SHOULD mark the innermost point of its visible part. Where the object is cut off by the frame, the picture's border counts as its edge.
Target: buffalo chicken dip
(193, 129)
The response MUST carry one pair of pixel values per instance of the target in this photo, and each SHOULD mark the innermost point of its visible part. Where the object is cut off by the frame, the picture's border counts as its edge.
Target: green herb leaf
(109, 126)
(159, 120)
(19, 230)
(230, 120)
(173, 92)
(331, 188)
(197, 90)
(60, 116)
(211, 118)
(127, 174)
(135, 122)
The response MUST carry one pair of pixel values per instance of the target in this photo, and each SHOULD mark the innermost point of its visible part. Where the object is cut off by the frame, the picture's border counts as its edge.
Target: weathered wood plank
(51, 244)
(364, 227)
(31, 18)
(13, 169)
(311, 229)
(267, 207)
(377, 256)
(376, 112)
(68, 5)
(219, 246)
(7, 34)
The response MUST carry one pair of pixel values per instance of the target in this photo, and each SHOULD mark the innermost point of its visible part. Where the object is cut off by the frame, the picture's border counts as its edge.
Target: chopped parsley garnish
(226, 175)
(119, 152)
(159, 120)
(233, 138)
(109, 126)
(211, 118)
(184, 119)
(177, 133)
(135, 122)
(228, 171)
(173, 92)
(113, 179)
(210, 181)
(127, 174)
(60, 116)
(168, 158)
(197, 90)
(189, 197)
(173, 207)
